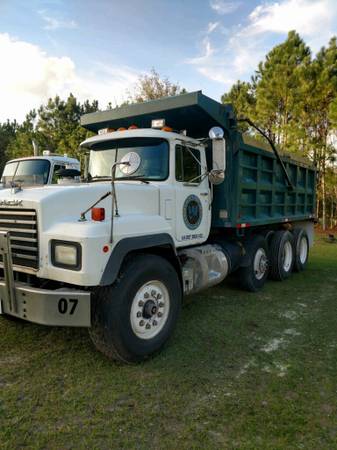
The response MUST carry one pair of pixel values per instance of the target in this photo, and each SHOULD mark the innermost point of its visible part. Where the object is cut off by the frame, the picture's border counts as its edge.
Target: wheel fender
(127, 245)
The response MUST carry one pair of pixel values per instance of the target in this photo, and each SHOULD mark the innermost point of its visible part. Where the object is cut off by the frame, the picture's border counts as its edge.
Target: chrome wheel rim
(150, 310)
(260, 263)
(303, 253)
(287, 257)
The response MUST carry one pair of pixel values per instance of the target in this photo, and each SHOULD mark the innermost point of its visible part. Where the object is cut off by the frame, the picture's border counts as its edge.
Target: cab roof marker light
(166, 128)
(133, 127)
(105, 131)
(158, 123)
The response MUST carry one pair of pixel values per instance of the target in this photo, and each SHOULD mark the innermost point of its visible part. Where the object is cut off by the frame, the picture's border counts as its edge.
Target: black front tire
(112, 330)
(253, 278)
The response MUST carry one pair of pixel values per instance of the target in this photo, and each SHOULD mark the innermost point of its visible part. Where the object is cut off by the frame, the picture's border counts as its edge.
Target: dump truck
(174, 199)
(37, 170)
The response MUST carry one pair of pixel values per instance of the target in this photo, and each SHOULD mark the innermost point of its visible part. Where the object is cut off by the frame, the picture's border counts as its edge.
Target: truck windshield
(153, 158)
(27, 172)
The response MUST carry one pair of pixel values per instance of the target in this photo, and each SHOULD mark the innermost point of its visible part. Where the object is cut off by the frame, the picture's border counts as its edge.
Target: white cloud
(268, 24)
(30, 76)
(207, 51)
(52, 23)
(305, 16)
(223, 7)
(212, 26)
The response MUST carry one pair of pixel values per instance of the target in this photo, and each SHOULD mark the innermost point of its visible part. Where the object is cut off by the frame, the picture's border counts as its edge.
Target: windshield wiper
(100, 178)
(136, 177)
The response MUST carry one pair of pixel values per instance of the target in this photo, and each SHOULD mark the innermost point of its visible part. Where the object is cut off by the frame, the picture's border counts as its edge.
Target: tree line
(292, 97)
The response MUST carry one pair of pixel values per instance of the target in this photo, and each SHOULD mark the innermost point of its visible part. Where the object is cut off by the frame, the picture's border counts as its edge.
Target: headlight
(67, 255)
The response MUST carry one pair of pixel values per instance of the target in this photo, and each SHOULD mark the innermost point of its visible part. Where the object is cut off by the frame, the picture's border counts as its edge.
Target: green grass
(250, 371)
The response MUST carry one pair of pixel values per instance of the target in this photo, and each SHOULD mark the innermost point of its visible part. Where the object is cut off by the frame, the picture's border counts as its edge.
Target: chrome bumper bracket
(9, 292)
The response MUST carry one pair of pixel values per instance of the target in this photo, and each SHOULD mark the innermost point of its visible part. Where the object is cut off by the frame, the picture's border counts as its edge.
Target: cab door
(193, 202)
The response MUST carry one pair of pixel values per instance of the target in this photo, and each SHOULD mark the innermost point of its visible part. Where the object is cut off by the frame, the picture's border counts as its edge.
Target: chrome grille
(22, 226)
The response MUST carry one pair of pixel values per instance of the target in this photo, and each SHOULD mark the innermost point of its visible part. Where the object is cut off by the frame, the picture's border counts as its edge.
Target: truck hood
(66, 203)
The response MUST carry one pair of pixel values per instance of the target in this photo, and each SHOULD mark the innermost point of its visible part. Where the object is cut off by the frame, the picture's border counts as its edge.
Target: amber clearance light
(98, 214)
(166, 128)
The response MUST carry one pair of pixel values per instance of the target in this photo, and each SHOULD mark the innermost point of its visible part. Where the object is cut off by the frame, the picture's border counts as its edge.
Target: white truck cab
(169, 165)
(158, 215)
(36, 170)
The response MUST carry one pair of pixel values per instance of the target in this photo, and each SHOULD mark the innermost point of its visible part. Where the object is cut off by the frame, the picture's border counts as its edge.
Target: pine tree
(319, 119)
(278, 89)
(7, 135)
(55, 127)
(242, 98)
(58, 124)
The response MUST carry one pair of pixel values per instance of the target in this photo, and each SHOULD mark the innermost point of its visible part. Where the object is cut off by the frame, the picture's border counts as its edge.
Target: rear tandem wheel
(281, 255)
(301, 249)
(253, 276)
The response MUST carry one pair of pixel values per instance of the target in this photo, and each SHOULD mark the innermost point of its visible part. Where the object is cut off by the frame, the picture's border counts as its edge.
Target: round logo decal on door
(192, 212)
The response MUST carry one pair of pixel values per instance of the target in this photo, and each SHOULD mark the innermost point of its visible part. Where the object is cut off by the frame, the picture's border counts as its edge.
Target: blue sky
(97, 49)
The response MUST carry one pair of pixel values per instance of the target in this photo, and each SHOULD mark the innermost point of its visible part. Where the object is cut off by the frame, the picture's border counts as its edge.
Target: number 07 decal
(67, 306)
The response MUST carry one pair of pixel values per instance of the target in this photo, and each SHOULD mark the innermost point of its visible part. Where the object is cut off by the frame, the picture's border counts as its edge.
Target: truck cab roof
(50, 158)
(139, 132)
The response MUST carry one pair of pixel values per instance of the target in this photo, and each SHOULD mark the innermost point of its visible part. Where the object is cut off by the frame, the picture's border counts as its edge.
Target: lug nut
(159, 296)
(146, 295)
(140, 303)
(161, 305)
(141, 323)
(153, 293)
(154, 323)
(148, 326)
(160, 314)
(139, 314)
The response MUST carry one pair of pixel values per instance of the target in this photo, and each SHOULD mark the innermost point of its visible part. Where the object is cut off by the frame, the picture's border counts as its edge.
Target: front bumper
(60, 307)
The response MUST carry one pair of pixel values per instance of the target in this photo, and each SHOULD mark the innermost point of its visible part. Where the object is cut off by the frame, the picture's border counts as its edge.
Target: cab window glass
(187, 164)
(27, 172)
(153, 154)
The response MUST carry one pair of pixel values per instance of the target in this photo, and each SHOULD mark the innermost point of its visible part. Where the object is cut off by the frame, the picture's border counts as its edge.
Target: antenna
(35, 147)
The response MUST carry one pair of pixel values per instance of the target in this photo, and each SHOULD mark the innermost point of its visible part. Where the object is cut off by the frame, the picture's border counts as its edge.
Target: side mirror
(217, 174)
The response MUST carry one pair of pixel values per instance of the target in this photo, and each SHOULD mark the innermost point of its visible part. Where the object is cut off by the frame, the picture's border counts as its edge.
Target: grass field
(243, 371)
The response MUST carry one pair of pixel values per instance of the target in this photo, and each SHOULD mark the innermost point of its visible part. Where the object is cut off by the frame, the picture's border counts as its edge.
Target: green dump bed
(255, 190)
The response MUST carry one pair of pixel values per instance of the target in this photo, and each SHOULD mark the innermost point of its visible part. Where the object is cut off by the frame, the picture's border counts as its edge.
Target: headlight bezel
(76, 245)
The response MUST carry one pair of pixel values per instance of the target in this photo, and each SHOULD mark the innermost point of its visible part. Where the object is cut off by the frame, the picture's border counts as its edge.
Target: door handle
(203, 193)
